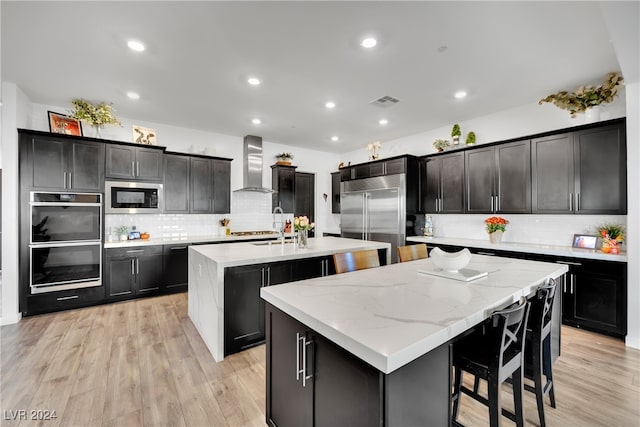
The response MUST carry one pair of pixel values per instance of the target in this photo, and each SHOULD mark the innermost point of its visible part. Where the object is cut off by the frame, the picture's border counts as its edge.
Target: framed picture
(143, 135)
(59, 123)
(585, 241)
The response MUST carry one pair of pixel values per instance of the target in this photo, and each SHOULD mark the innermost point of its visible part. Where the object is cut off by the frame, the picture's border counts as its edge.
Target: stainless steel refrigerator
(375, 209)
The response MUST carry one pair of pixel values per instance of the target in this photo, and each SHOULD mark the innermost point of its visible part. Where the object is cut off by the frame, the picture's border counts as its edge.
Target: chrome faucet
(278, 209)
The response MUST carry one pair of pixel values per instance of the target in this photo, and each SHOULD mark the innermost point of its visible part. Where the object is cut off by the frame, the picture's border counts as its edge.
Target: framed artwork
(145, 136)
(59, 123)
(585, 241)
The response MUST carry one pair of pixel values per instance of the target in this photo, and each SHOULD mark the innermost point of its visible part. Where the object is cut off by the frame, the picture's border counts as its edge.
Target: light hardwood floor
(142, 363)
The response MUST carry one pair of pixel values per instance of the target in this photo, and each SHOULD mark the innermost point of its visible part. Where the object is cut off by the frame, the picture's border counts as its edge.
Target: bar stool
(412, 252)
(494, 353)
(352, 261)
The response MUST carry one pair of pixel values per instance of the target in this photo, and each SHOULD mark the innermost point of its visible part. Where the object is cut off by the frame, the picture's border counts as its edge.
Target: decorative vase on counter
(496, 236)
(124, 237)
(303, 238)
(592, 114)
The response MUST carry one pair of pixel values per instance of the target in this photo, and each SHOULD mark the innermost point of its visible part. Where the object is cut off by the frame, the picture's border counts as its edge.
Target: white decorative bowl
(450, 261)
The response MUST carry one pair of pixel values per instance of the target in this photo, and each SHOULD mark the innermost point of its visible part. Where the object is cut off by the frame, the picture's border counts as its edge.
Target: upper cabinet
(581, 172)
(443, 184)
(335, 192)
(376, 168)
(283, 182)
(61, 163)
(498, 178)
(134, 163)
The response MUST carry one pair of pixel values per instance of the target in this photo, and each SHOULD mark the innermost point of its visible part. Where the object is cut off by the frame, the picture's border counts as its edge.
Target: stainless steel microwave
(133, 197)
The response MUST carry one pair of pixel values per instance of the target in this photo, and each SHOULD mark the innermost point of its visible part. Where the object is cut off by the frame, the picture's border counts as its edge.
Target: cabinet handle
(137, 168)
(133, 268)
(486, 253)
(133, 168)
(492, 210)
(137, 265)
(564, 285)
(577, 202)
(497, 202)
(305, 377)
(570, 202)
(137, 251)
(177, 248)
(298, 370)
(569, 263)
(70, 180)
(437, 204)
(64, 180)
(572, 280)
(67, 298)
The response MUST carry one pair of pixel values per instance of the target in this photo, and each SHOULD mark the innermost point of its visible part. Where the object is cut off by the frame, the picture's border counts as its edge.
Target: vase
(123, 237)
(592, 115)
(303, 239)
(98, 133)
(496, 236)
(609, 247)
(456, 140)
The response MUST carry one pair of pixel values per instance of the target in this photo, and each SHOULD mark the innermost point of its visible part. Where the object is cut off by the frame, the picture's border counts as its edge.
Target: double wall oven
(65, 245)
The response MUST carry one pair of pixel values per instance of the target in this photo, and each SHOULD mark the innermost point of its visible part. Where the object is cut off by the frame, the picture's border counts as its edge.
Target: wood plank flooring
(142, 363)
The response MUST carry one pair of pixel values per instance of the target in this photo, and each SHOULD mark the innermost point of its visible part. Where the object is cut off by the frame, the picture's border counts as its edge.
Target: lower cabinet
(175, 267)
(133, 271)
(64, 300)
(312, 381)
(308, 268)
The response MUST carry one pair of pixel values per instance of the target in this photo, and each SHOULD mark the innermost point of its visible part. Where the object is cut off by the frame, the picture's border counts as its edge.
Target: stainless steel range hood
(252, 166)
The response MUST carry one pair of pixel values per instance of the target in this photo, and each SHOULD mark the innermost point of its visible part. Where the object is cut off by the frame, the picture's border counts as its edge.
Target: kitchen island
(372, 347)
(225, 280)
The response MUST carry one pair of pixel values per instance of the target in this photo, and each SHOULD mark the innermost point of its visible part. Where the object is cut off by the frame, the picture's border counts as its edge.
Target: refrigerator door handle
(364, 216)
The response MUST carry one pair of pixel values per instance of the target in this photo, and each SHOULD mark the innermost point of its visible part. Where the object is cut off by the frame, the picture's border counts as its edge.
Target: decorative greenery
(373, 147)
(284, 156)
(496, 223)
(122, 230)
(586, 96)
(96, 115)
(471, 138)
(302, 223)
(441, 144)
(455, 131)
(611, 231)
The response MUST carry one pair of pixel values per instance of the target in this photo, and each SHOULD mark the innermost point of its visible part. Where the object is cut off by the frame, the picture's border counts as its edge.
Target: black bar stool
(494, 353)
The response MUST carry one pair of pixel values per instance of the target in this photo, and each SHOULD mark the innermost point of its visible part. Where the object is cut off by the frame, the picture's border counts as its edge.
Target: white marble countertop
(189, 239)
(535, 248)
(250, 253)
(391, 315)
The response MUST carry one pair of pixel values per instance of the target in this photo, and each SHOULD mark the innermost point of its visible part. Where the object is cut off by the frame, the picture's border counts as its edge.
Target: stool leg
(476, 384)
(493, 393)
(548, 371)
(457, 382)
(537, 380)
(517, 397)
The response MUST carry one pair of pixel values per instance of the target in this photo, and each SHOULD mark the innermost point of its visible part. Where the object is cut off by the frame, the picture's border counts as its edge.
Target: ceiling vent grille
(385, 101)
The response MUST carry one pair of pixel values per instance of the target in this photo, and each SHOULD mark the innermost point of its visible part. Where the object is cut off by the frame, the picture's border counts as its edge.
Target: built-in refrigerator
(375, 209)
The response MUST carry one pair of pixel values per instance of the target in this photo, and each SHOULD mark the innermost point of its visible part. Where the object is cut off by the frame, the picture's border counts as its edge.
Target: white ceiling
(199, 55)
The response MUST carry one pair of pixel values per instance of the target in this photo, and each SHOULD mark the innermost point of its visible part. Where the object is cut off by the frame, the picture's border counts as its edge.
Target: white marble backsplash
(539, 229)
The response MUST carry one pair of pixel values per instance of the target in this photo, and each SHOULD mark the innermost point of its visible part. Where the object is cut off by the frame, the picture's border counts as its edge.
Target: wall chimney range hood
(252, 166)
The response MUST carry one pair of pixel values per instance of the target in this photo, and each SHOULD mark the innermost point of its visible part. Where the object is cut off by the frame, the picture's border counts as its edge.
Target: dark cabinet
(443, 184)
(283, 182)
(176, 183)
(134, 271)
(309, 268)
(175, 267)
(375, 168)
(56, 163)
(581, 172)
(305, 196)
(498, 178)
(312, 381)
(134, 163)
(243, 307)
(221, 185)
(63, 300)
(201, 188)
(335, 192)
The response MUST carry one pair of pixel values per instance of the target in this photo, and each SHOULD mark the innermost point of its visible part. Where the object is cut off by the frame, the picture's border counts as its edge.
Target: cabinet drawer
(177, 248)
(63, 300)
(134, 251)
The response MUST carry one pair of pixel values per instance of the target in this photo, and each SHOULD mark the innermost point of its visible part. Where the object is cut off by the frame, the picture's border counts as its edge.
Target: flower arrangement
(586, 96)
(372, 148)
(96, 115)
(441, 144)
(284, 156)
(612, 235)
(496, 223)
(302, 223)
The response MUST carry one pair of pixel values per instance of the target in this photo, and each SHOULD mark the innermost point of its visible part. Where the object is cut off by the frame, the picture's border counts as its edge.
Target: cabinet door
(119, 276)
(552, 185)
(394, 167)
(513, 183)
(288, 402)
(175, 273)
(335, 192)
(431, 184)
(601, 171)
(480, 171)
(363, 171)
(452, 183)
(221, 186)
(309, 268)
(86, 166)
(149, 164)
(148, 273)
(49, 164)
(120, 161)
(283, 181)
(201, 185)
(243, 307)
(279, 272)
(305, 195)
(176, 183)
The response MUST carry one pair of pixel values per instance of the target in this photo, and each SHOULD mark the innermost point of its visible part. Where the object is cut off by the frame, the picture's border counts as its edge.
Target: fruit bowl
(450, 261)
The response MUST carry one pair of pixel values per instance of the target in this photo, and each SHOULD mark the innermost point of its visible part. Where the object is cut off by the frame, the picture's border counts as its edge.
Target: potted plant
(96, 115)
(586, 97)
(496, 225)
(441, 144)
(284, 159)
(122, 232)
(455, 134)
(373, 149)
(471, 138)
(612, 236)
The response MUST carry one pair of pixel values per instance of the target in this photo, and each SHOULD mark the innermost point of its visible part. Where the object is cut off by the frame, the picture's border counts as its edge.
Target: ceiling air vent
(385, 101)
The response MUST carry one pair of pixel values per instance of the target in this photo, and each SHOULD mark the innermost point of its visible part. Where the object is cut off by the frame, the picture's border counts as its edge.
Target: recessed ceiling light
(383, 121)
(330, 104)
(133, 95)
(460, 94)
(256, 121)
(334, 138)
(253, 81)
(135, 45)
(369, 42)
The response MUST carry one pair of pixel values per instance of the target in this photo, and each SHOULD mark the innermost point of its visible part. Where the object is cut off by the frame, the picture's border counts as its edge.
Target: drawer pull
(486, 253)
(136, 251)
(67, 298)
(568, 262)
(178, 248)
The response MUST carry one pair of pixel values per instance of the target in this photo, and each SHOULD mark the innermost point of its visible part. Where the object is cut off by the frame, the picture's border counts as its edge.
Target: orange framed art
(59, 123)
